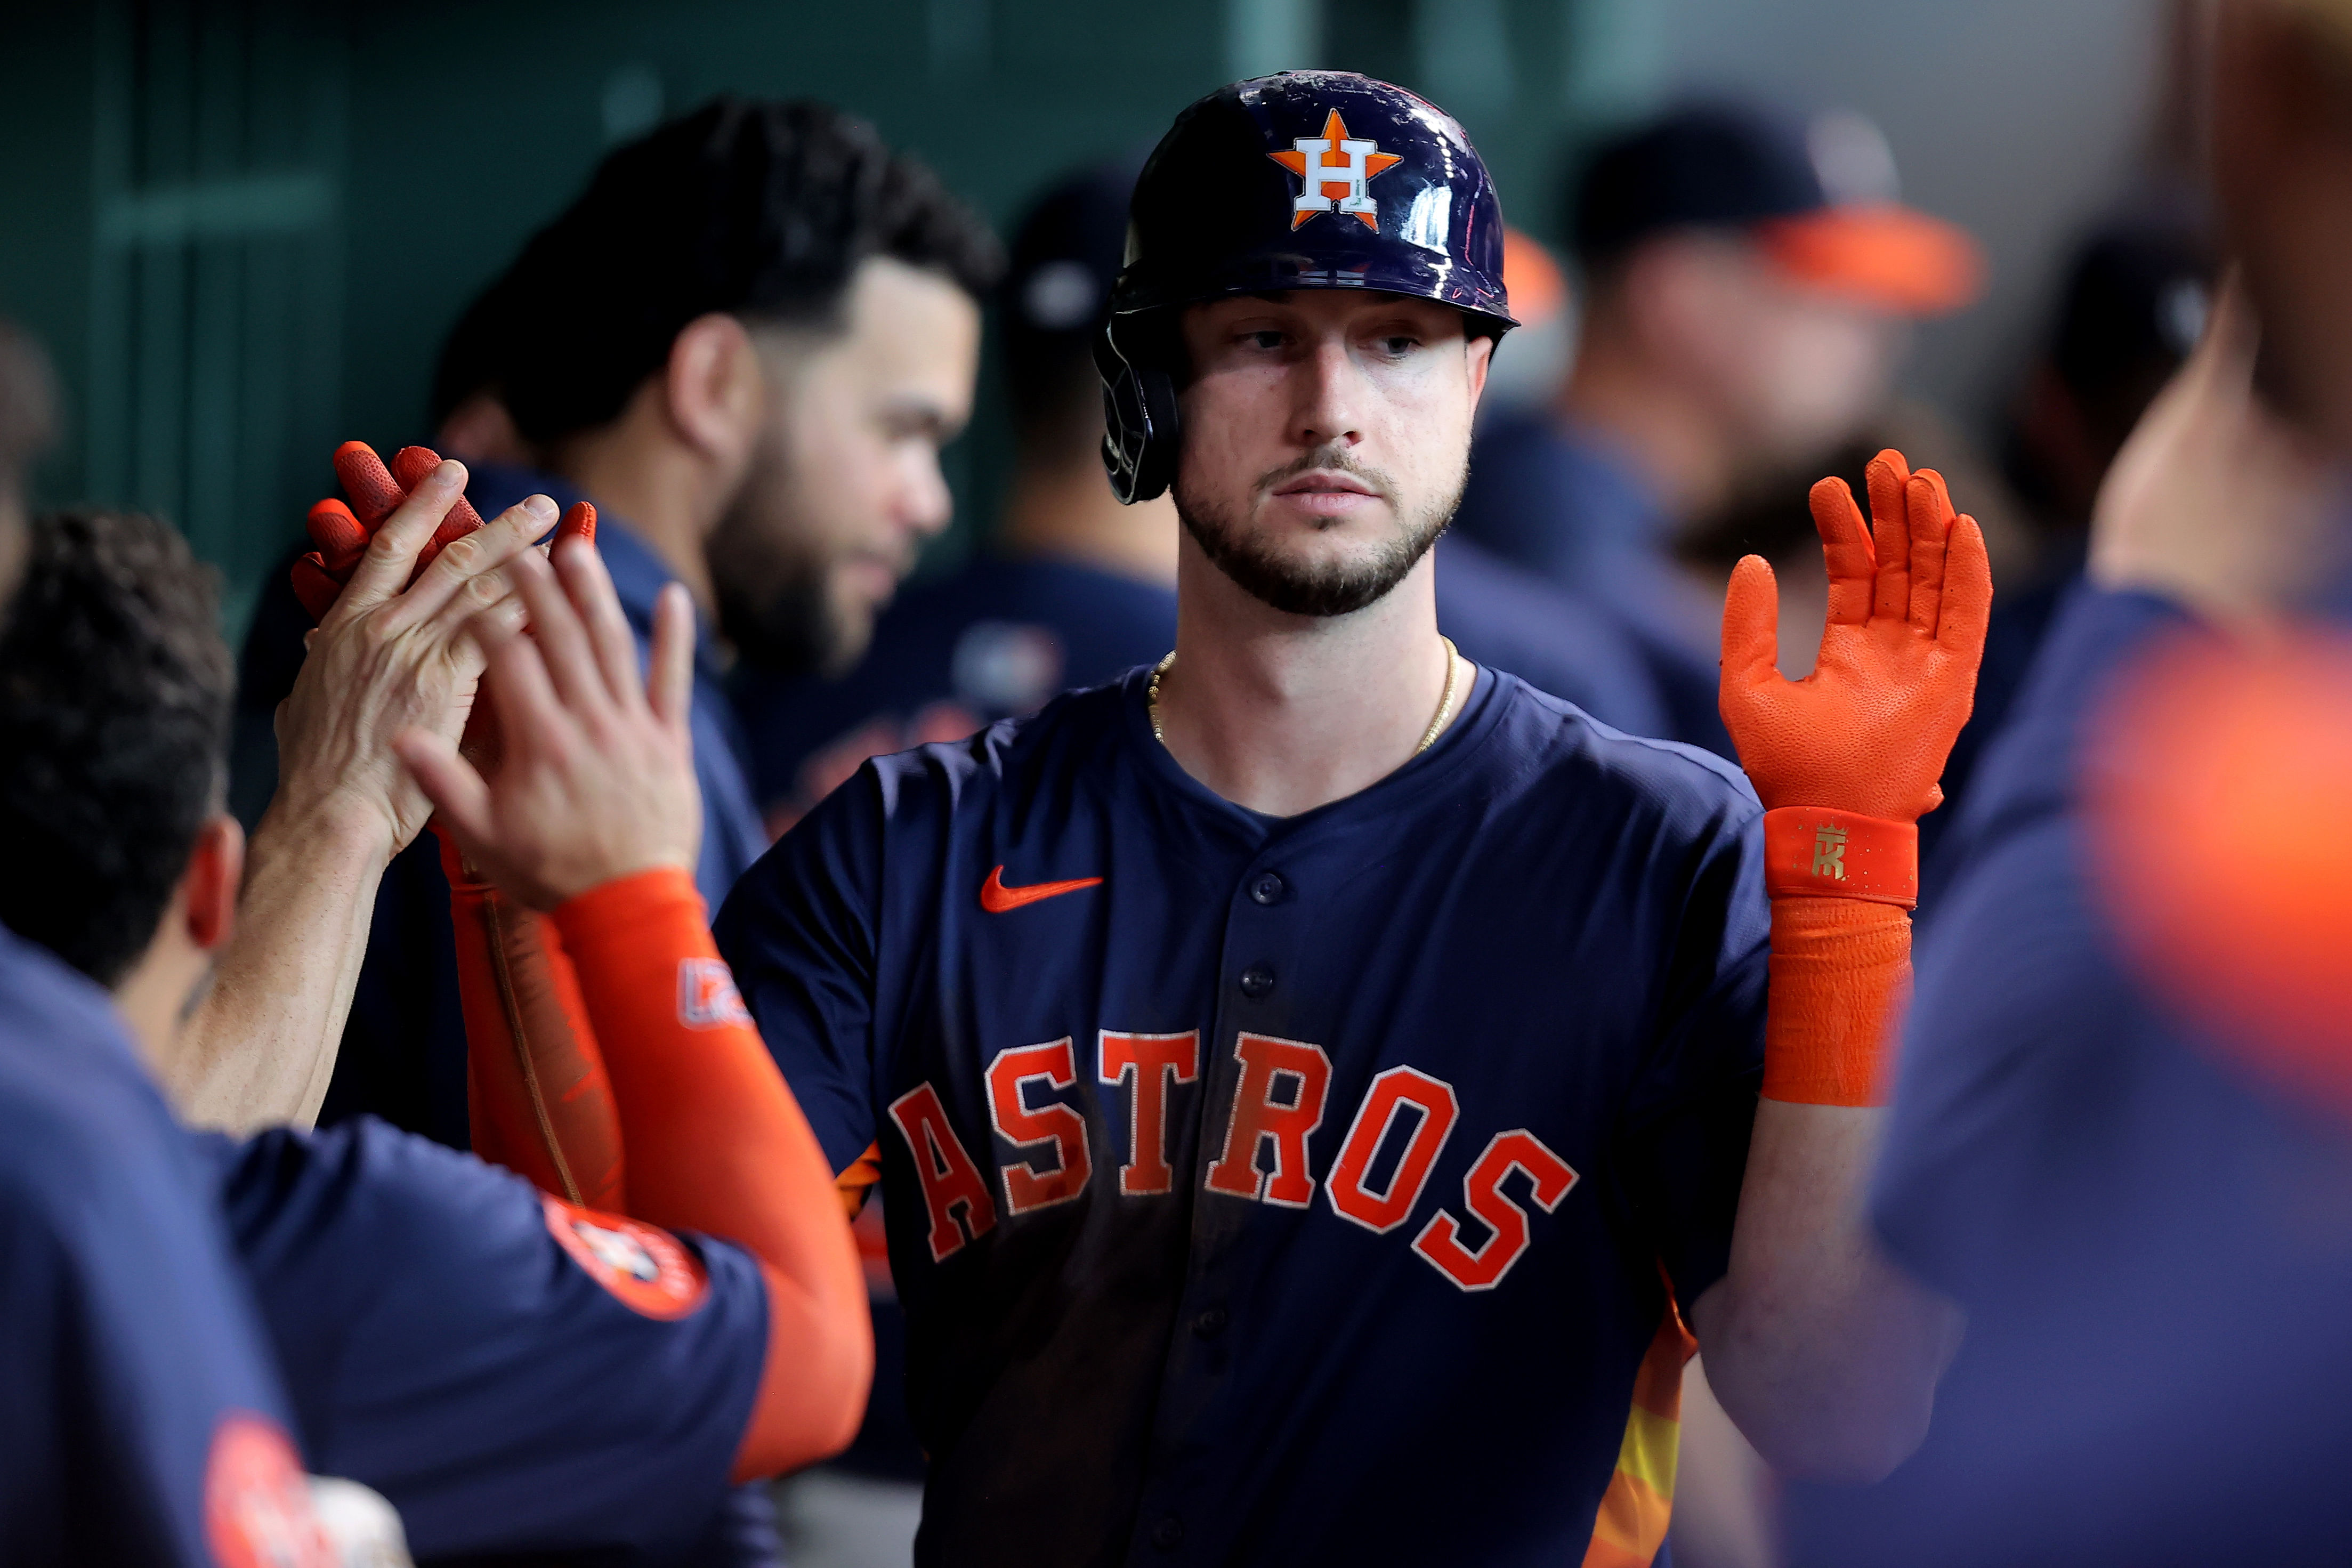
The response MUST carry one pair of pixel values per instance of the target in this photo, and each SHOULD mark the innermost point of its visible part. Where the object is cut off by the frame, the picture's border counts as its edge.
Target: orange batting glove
(1847, 760)
(341, 533)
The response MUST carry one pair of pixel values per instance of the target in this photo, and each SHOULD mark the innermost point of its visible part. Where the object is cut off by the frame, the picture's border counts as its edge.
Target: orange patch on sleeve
(648, 1269)
(256, 1499)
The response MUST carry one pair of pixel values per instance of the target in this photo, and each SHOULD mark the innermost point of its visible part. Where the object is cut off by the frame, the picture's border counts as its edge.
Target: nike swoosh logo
(997, 898)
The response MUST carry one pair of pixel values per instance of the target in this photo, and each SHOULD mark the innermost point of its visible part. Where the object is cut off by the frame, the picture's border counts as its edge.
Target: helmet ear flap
(1138, 447)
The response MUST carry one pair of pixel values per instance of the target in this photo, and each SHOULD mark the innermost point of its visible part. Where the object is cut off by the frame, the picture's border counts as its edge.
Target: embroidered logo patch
(1334, 170)
(256, 1499)
(706, 997)
(650, 1270)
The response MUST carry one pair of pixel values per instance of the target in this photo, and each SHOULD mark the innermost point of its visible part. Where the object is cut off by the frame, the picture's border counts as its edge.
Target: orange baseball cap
(1537, 286)
(1883, 252)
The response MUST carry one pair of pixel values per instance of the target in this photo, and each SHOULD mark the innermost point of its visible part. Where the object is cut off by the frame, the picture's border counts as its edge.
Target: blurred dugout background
(242, 227)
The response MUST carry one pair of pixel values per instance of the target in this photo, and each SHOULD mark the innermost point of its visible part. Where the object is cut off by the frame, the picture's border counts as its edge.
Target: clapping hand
(596, 777)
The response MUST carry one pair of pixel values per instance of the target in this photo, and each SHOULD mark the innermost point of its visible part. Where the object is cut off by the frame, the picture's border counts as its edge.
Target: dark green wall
(243, 226)
(45, 230)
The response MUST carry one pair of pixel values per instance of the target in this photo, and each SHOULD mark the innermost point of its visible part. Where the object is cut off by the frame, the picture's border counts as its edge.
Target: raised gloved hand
(341, 533)
(1863, 738)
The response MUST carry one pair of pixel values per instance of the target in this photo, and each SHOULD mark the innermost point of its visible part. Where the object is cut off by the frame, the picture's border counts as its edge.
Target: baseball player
(133, 1435)
(1314, 1081)
(2129, 1034)
(517, 1373)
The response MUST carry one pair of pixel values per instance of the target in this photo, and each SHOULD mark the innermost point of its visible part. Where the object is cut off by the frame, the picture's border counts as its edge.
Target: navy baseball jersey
(131, 1369)
(510, 1371)
(1275, 1190)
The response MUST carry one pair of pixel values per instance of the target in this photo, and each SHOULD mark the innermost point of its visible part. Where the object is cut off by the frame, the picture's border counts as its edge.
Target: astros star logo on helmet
(1334, 170)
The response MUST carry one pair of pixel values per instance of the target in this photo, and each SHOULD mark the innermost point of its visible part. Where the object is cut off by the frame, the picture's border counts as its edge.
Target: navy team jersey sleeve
(1692, 1111)
(799, 932)
(483, 1356)
(126, 1345)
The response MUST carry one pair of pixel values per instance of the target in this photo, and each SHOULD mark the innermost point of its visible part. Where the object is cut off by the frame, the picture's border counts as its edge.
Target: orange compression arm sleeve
(716, 1143)
(537, 1097)
(1840, 969)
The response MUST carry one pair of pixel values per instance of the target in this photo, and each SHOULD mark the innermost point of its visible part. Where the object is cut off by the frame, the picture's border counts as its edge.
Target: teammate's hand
(597, 780)
(2215, 501)
(1868, 731)
(390, 657)
(341, 533)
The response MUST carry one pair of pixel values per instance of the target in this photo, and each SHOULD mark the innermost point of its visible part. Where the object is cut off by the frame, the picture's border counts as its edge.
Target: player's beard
(773, 599)
(1320, 589)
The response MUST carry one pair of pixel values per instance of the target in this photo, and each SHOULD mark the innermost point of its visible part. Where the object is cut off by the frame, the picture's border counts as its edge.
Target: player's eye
(1266, 338)
(1396, 345)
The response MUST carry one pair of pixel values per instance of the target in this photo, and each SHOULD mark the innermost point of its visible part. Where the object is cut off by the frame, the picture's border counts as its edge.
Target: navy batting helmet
(1305, 180)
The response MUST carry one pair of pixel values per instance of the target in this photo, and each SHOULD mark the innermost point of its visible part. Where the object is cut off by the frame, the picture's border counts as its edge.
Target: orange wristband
(1840, 967)
(1816, 851)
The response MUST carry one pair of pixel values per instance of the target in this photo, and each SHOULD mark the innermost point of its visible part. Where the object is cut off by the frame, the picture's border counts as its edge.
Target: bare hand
(597, 780)
(2215, 501)
(388, 660)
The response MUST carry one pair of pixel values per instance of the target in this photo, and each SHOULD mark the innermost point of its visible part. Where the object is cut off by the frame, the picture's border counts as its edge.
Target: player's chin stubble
(1322, 589)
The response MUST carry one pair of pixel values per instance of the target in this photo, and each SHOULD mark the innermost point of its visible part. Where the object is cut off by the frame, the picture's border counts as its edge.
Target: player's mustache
(1328, 460)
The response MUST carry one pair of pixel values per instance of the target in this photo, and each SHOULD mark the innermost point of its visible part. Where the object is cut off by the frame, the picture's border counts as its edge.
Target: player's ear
(215, 872)
(716, 393)
(1480, 350)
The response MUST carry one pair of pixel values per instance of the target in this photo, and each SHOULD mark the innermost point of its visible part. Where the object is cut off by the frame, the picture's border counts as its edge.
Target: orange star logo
(1333, 170)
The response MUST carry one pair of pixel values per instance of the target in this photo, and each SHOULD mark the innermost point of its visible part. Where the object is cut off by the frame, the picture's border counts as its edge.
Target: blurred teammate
(2144, 1223)
(1076, 589)
(1312, 1078)
(2130, 309)
(745, 342)
(1746, 287)
(133, 1435)
(518, 1375)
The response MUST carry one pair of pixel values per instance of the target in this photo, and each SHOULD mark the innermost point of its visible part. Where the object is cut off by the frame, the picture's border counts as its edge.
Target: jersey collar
(1432, 775)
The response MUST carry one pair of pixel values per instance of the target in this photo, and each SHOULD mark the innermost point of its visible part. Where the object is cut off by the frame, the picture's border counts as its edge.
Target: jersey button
(1267, 890)
(1257, 981)
(1168, 1532)
(1210, 1323)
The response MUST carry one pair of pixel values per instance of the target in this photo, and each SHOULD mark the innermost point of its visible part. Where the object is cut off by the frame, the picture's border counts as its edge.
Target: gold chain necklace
(1436, 721)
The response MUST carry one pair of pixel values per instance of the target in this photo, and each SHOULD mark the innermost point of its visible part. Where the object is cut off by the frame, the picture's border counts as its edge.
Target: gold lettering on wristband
(1829, 852)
